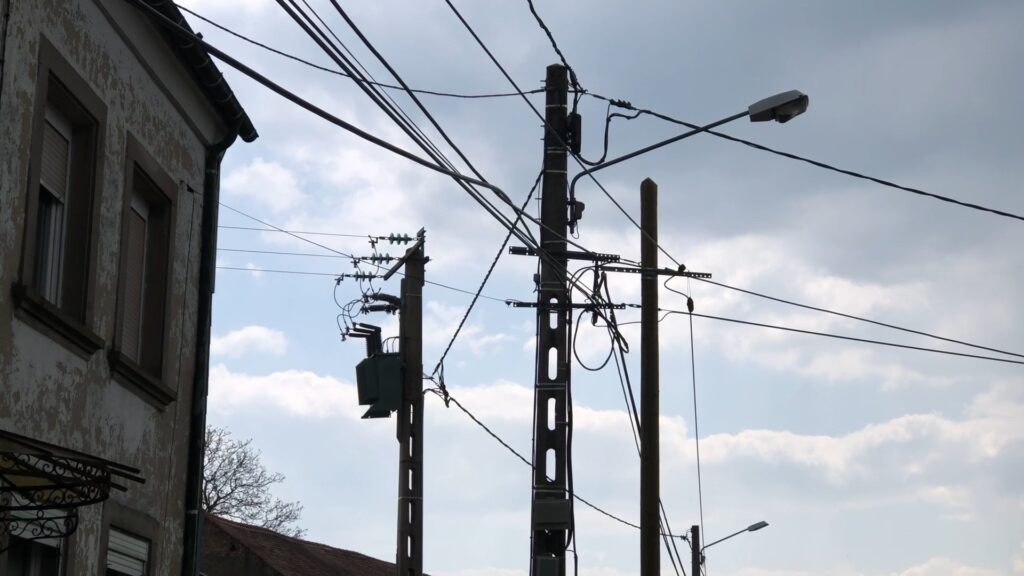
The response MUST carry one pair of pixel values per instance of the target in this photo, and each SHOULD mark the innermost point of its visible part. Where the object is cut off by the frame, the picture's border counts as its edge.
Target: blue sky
(864, 460)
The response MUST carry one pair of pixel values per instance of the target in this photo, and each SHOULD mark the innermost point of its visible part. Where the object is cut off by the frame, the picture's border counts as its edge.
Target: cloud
(269, 184)
(250, 339)
(947, 567)
(296, 392)
(1018, 559)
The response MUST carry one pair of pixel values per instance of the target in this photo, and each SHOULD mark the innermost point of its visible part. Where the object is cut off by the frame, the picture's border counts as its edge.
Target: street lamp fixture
(781, 107)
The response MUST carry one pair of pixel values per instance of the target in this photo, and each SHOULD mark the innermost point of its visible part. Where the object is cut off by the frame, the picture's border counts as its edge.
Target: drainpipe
(197, 415)
(4, 19)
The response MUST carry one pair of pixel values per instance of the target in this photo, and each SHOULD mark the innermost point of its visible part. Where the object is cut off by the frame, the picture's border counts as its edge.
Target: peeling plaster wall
(47, 391)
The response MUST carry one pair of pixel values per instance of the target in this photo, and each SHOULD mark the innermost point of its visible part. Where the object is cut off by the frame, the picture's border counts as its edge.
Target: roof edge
(206, 74)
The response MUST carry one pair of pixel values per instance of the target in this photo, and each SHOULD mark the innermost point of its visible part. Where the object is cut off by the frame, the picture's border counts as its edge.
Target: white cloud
(296, 392)
(268, 183)
(250, 339)
(254, 270)
(947, 567)
(1018, 560)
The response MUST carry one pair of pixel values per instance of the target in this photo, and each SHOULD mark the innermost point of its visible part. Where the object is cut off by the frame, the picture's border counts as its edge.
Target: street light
(752, 528)
(781, 107)
(697, 551)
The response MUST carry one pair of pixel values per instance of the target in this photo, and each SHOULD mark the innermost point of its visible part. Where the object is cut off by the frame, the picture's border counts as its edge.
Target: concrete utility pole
(551, 504)
(650, 530)
(410, 413)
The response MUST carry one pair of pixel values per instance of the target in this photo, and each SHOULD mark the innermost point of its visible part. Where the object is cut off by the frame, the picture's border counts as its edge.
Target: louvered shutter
(127, 554)
(53, 168)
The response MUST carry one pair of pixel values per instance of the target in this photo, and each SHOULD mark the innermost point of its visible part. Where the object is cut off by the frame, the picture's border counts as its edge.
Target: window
(144, 273)
(33, 557)
(63, 201)
(127, 555)
(53, 289)
(145, 263)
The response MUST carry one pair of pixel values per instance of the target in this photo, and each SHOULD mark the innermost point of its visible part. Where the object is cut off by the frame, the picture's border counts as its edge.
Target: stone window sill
(47, 318)
(138, 380)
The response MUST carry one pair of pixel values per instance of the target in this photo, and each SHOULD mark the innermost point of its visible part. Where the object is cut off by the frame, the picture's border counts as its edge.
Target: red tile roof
(287, 556)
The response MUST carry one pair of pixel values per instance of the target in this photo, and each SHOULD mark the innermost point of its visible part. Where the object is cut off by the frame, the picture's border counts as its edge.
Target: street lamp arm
(723, 539)
(655, 146)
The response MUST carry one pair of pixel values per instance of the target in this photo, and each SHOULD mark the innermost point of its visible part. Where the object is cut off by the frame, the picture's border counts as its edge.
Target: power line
(328, 248)
(332, 119)
(842, 337)
(487, 276)
(572, 73)
(280, 253)
(859, 318)
(301, 232)
(696, 426)
(299, 272)
(536, 112)
(340, 73)
(448, 397)
(817, 163)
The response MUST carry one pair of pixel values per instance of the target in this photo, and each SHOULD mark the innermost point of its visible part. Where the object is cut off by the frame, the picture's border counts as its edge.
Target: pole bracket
(569, 254)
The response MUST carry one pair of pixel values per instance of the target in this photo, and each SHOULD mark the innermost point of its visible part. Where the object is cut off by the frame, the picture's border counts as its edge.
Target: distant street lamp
(697, 551)
(781, 107)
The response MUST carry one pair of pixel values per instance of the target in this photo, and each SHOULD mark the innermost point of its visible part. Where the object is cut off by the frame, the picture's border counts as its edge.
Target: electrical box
(379, 384)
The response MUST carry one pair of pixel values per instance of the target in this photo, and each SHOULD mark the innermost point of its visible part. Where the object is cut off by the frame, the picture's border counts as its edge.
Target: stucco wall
(47, 391)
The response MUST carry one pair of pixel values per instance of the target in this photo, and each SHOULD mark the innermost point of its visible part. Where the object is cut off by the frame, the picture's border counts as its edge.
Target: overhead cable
(818, 163)
(842, 337)
(340, 73)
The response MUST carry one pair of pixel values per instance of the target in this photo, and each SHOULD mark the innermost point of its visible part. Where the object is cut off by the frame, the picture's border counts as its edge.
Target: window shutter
(53, 168)
(127, 554)
(135, 269)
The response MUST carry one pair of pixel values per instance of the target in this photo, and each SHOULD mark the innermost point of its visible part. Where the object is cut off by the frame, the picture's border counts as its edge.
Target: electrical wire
(321, 38)
(816, 163)
(324, 115)
(572, 73)
(329, 249)
(696, 425)
(522, 458)
(853, 317)
(842, 337)
(299, 232)
(487, 276)
(279, 253)
(339, 73)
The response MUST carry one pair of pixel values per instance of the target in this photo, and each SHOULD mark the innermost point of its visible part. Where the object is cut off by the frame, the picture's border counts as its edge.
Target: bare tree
(237, 486)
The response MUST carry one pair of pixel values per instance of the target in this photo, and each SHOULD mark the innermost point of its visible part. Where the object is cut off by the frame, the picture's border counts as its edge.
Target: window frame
(60, 87)
(152, 386)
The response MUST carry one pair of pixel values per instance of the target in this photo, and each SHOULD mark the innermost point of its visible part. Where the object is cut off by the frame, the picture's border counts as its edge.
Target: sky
(864, 460)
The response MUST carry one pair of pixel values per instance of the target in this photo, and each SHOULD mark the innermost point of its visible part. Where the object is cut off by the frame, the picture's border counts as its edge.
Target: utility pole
(650, 527)
(551, 502)
(410, 413)
(695, 554)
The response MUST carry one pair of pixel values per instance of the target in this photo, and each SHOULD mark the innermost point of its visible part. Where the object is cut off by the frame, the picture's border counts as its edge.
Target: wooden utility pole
(551, 502)
(650, 553)
(410, 414)
(695, 553)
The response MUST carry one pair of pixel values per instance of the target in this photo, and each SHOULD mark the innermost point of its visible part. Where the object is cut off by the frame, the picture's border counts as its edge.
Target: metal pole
(551, 504)
(410, 418)
(650, 552)
(695, 553)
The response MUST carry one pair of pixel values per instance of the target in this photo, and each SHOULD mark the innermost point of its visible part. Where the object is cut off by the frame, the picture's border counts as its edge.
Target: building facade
(112, 129)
